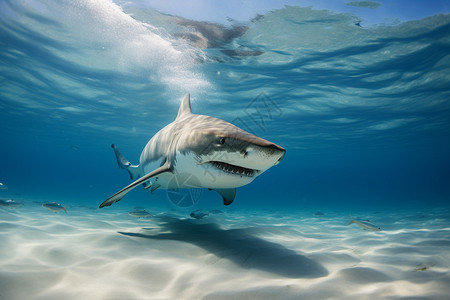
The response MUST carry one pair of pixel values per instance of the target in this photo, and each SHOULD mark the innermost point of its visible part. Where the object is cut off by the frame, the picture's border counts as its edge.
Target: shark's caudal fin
(123, 163)
(185, 106)
(351, 221)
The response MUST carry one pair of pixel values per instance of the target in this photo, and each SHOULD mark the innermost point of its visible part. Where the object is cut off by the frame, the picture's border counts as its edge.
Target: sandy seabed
(106, 254)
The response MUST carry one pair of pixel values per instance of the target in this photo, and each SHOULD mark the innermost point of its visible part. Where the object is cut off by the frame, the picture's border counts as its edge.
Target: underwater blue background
(363, 111)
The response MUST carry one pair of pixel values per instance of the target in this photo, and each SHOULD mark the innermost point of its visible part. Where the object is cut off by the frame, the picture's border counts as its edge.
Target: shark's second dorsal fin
(185, 106)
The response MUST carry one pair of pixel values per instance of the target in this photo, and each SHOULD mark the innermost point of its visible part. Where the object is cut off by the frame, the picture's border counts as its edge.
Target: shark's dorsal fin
(185, 106)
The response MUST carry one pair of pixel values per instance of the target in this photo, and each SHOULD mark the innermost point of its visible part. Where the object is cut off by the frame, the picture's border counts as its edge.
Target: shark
(364, 224)
(210, 152)
(54, 206)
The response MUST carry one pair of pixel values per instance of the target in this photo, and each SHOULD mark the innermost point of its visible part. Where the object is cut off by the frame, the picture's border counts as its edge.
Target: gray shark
(198, 151)
(366, 225)
(54, 206)
(10, 203)
(139, 213)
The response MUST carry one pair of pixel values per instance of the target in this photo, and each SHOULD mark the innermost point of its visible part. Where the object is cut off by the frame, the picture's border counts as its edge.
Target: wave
(333, 79)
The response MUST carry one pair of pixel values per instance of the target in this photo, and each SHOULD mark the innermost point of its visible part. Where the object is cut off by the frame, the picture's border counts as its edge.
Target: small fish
(53, 206)
(318, 213)
(216, 212)
(139, 213)
(366, 225)
(423, 266)
(198, 214)
(10, 203)
(3, 186)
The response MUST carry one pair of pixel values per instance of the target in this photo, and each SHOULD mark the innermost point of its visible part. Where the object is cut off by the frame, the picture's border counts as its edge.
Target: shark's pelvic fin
(227, 195)
(154, 186)
(123, 163)
(185, 106)
(119, 195)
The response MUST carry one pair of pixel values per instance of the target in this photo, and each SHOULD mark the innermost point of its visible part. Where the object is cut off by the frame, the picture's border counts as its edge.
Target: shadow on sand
(236, 245)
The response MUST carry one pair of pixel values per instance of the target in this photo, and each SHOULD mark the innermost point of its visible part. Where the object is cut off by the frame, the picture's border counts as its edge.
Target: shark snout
(261, 158)
(278, 151)
(283, 152)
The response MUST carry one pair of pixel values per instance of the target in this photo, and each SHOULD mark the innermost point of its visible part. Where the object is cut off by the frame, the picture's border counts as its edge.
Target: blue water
(363, 111)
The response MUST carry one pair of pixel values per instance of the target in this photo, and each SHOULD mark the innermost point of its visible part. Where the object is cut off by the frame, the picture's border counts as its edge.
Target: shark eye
(222, 141)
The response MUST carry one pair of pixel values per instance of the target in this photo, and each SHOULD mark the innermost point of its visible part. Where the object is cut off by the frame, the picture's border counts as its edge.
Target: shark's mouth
(233, 169)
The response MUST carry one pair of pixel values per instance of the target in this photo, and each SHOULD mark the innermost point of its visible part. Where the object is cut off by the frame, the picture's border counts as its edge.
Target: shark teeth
(232, 169)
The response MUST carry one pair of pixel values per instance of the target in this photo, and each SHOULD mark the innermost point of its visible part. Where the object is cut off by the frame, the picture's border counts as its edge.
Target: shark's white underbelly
(190, 173)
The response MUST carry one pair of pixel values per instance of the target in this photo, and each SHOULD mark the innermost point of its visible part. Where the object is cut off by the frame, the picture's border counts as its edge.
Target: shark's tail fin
(65, 209)
(133, 170)
(351, 221)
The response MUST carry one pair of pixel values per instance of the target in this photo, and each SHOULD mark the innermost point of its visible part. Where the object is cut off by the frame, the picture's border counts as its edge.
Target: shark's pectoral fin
(227, 195)
(119, 195)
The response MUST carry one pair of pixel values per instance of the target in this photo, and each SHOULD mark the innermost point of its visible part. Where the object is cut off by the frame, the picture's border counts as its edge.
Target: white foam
(104, 37)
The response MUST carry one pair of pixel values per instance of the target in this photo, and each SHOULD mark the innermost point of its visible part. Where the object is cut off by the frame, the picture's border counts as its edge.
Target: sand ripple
(107, 255)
